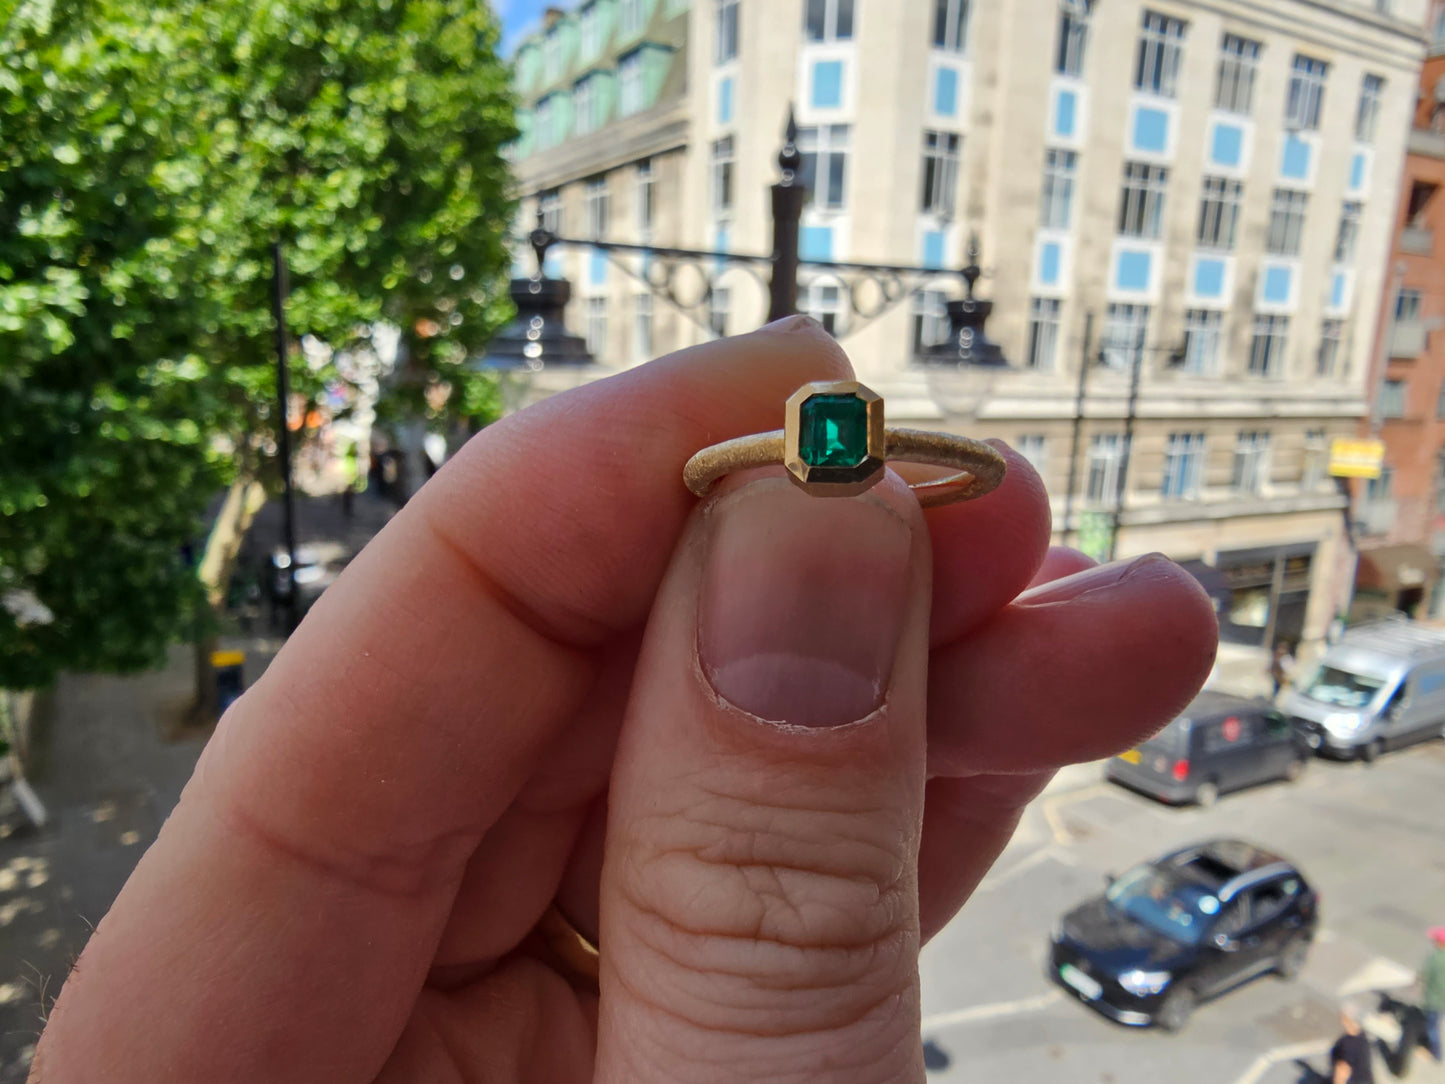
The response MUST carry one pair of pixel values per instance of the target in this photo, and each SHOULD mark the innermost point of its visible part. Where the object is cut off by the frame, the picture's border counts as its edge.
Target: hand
(543, 682)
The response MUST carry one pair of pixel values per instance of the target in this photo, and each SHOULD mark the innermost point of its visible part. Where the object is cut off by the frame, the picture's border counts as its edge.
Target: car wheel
(1206, 795)
(1292, 960)
(1370, 752)
(1178, 1007)
(1296, 769)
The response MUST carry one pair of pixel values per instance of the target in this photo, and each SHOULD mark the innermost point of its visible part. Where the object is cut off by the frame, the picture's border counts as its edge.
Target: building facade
(1204, 192)
(1400, 516)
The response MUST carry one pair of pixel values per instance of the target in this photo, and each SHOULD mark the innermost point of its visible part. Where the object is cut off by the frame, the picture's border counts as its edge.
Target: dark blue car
(1170, 933)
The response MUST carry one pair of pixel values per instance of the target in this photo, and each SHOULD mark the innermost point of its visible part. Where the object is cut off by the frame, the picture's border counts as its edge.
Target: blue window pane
(721, 245)
(1227, 147)
(1208, 278)
(933, 248)
(945, 92)
(1131, 272)
(725, 101)
(552, 267)
(597, 268)
(1066, 104)
(1276, 285)
(1337, 290)
(1151, 130)
(1295, 161)
(815, 243)
(1049, 263)
(827, 84)
(1357, 171)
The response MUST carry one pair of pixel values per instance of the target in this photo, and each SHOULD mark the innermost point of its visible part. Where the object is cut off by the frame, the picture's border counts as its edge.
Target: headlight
(1343, 722)
(1144, 983)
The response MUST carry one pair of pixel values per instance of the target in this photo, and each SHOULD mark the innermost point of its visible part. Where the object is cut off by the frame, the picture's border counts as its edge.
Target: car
(1219, 743)
(1186, 927)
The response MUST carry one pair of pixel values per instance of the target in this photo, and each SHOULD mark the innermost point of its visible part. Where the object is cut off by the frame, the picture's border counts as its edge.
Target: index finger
(288, 912)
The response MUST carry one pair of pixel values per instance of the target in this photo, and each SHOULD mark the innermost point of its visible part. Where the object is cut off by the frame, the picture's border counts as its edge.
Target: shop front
(1394, 579)
(1266, 594)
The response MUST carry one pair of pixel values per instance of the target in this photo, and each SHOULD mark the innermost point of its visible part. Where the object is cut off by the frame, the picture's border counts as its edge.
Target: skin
(531, 687)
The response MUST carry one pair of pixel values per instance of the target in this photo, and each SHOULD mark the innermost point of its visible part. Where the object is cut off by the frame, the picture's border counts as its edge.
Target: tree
(149, 156)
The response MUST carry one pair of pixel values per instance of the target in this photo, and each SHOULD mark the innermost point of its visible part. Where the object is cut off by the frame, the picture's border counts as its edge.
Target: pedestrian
(1432, 983)
(1351, 1061)
(1281, 665)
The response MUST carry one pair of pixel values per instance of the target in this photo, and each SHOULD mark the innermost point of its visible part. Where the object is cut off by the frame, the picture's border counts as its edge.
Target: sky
(520, 17)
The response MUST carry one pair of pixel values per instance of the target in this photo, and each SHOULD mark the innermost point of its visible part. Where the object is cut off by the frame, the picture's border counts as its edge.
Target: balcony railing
(1417, 240)
(1430, 144)
(1408, 339)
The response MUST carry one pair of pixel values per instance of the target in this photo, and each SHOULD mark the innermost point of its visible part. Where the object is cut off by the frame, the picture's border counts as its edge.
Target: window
(1440, 404)
(1331, 334)
(940, 171)
(1421, 193)
(1266, 350)
(1105, 454)
(1286, 222)
(591, 30)
(1073, 37)
(1306, 93)
(1219, 212)
(1124, 335)
(630, 17)
(1382, 487)
(596, 326)
(930, 319)
(549, 203)
(1407, 305)
(1141, 209)
(828, 20)
(646, 199)
(1368, 115)
(551, 57)
(722, 177)
(1161, 46)
(1035, 448)
(1316, 459)
(1238, 61)
(597, 205)
(1251, 461)
(1043, 332)
(1392, 399)
(585, 101)
(1440, 480)
(825, 164)
(642, 334)
(544, 119)
(1057, 197)
(823, 301)
(950, 25)
(631, 92)
(1183, 465)
(1349, 232)
(727, 30)
(718, 305)
(1202, 333)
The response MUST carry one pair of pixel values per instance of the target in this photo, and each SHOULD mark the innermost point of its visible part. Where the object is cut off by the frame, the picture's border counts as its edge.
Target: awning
(1393, 568)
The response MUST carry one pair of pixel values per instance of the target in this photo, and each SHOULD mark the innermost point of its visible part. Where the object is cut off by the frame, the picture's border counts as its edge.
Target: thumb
(759, 901)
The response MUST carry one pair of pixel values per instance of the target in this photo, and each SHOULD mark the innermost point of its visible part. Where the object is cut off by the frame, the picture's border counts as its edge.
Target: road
(1370, 838)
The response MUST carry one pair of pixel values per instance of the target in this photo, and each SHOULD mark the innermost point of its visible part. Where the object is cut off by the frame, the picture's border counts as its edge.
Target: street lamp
(963, 367)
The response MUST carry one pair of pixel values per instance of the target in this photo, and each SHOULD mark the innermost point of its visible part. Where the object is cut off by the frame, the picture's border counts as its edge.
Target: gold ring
(834, 444)
(575, 955)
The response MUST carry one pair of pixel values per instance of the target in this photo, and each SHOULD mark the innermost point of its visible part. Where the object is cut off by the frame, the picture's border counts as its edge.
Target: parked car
(1219, 743)
(1189, 926)
(1380, 686)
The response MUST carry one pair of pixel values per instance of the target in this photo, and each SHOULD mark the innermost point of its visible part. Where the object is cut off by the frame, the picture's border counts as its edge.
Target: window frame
(1071, 52)
(1408, 298)
(1056, 192)
(832, 21)
(1184, 462)
(929, 312)
(1220, 199)
(1288, 209)
(1034, 447)
(597, 207)
(1253, 462)
(1141, 200)
(631, 84)
(1367, 113)
(831, 142)
(726, 31)
(1045, 322)
(1103, 460)
(829, 315)
(1327, 360)
(1236, 73)
(646, 198)
(941, 153)
(1304, 99)
(1394, 392)
(1347, 237)
(1116, 352)
(951, 24)
(595, 326)
(722, 163)
(1202, 326)
(643, 327)
(1268, 344)
(1159, 54)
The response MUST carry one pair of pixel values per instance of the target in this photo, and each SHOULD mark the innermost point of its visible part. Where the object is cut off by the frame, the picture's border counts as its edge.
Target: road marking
(1052, 803)
(1268, 1060)
(975, 1013)
(1381, 973)
(993, 880)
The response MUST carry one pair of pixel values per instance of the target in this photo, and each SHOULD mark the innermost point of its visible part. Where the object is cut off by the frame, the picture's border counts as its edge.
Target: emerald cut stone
(833, 431)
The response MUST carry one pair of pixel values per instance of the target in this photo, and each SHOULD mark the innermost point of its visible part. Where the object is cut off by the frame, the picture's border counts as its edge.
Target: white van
(1379, 687)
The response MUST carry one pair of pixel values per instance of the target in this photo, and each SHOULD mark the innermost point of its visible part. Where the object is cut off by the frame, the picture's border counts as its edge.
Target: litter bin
(229, 668)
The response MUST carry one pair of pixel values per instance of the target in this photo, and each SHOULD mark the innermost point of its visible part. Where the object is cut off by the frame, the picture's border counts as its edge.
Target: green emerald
(833, 431)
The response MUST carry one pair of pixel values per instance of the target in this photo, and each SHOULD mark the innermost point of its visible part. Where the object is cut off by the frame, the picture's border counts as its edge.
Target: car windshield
(1341, 688)
(1165, 902)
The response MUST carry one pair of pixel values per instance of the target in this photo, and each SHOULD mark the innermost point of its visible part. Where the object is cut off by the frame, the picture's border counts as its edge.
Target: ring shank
(980, 466)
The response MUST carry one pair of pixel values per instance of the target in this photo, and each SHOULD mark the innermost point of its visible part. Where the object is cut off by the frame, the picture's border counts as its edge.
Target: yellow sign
(227, 658)
(1356, 458)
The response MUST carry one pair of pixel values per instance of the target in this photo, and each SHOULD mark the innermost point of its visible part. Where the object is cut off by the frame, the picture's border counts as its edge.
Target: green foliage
(149, 156)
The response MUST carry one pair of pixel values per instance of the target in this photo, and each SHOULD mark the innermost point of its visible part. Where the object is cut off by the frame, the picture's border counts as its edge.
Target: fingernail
(803, 603)
(1069, 588)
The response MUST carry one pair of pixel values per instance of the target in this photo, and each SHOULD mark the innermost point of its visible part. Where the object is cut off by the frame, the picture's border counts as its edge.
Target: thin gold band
(575, 954)
(981, 466)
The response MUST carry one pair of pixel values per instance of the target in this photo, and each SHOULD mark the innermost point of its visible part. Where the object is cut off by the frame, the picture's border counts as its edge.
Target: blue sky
(519, 17)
